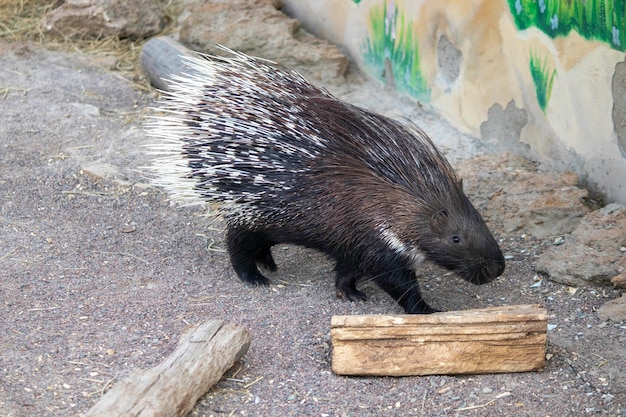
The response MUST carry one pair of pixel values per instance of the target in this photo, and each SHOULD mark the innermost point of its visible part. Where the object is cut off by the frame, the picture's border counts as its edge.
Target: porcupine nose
(496, 266)
(487, 269)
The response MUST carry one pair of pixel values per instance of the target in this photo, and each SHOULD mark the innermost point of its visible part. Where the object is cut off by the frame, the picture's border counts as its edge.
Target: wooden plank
(172, 388)
(490, 340)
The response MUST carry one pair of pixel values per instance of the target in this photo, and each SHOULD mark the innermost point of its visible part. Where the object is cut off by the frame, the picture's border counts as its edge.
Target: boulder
(514, 195)
(259, 28)
(594, 252)
(102, 18)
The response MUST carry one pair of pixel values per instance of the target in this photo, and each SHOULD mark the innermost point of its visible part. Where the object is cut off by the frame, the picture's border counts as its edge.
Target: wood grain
(490, 340)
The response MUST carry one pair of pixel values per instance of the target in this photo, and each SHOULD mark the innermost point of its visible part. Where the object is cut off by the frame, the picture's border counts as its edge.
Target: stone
(258, 28)
(577, 265)
(605, 224)
(102, 18)
(614, 310)
(513, 195)
(99, 171)
(619, 280)
(592, 254)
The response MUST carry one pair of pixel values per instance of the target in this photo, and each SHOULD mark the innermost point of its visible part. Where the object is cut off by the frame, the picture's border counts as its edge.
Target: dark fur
(371, 178)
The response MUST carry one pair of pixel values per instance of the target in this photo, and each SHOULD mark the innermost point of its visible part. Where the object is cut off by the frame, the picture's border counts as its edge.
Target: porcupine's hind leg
(402, 286)
(345, 283)
(246, 248)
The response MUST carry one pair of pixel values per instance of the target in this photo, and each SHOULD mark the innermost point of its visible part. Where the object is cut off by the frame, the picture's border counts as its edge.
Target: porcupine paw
(351, 295)
(421, 308)
(426, 310)
(345, 283)
(254, 277)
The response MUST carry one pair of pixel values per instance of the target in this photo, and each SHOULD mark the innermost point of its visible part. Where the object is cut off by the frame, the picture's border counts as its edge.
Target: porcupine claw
(345, 288)
(350, 294)
(254, 277)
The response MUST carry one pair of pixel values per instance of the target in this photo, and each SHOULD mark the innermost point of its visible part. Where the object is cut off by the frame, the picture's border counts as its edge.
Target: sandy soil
(100, 274)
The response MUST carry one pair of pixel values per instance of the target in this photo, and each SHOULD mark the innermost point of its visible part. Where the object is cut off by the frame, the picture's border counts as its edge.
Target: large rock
(514, 195)
(258, 28)
(620, 280)
(593, 254)
(614, 310)
(101, 18)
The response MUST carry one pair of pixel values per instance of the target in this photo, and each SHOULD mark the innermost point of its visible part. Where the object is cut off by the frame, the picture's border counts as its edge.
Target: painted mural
(602, 20)
(543, 78)
(391, 51)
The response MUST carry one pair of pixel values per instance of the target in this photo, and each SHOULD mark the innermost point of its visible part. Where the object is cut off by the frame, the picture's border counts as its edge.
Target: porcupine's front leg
(402, 286)
(345, 283)
(246, 248)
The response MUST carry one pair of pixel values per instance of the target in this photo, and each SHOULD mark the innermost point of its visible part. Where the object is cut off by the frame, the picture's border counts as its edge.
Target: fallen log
(162, 57)
(490, 340)
(172, 388)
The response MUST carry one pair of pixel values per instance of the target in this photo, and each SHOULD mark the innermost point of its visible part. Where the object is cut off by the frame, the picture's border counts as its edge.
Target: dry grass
(21, 20)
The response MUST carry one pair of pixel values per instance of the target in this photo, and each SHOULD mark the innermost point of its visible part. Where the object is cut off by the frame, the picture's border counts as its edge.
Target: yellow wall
(474, 63)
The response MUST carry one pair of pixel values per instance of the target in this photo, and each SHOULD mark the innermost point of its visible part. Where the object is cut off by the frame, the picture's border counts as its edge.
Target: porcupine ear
(439, 221)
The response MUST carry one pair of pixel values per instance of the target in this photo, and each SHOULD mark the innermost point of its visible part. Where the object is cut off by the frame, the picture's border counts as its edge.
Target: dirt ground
(100, 274)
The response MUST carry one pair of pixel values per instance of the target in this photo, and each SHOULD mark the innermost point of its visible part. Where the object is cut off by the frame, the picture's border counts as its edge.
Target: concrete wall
(545, 77)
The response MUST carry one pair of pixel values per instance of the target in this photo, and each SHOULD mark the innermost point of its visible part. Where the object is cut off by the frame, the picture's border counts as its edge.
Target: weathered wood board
(490, 340)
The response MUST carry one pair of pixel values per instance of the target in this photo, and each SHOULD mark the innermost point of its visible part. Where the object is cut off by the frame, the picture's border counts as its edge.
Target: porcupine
(290, 163)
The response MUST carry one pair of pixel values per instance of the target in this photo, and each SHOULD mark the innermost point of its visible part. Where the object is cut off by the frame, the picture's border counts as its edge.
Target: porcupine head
(454, 235)
(292, 164)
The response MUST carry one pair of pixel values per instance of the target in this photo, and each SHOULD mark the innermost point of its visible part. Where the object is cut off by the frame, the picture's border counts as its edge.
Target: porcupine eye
(456, 239)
